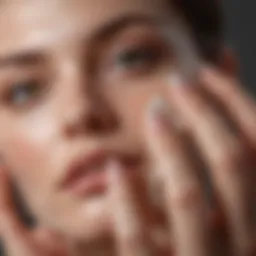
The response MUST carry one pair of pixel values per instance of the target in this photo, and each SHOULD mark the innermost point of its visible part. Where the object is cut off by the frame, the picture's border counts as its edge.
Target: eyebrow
(26, 58)
(109, 29)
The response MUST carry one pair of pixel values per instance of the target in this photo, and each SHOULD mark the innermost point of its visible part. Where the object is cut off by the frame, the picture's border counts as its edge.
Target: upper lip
(82, 165)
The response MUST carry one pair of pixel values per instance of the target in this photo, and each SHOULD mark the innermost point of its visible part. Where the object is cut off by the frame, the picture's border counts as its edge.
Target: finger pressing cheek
(224, 154)
(237, 102)
(184, 199)
(130, 220)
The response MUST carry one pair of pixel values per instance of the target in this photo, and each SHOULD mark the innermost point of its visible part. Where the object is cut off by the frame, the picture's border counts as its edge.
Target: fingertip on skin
(157, 113)
(161, 117)
(119, 178)
(180, 87)
(176, 81)
(157, 107)
(112, 168)
(207, 72)
(114, 172)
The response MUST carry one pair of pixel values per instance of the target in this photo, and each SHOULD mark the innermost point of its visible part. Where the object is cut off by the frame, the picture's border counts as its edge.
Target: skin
(74, 105)
(56, 128)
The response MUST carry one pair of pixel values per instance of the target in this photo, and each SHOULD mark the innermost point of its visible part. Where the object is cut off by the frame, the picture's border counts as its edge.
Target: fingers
(10, 225)
(225, 155)
(184, 197)
(132, 231)
(17, 238)
(14, 234)
(240, 105)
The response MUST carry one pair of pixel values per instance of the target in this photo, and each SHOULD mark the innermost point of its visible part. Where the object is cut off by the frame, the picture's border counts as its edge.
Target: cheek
(26, 148)
(133, 101)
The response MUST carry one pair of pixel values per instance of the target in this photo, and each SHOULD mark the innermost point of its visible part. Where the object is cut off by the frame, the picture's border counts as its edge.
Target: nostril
(95, 123)
(101, 124)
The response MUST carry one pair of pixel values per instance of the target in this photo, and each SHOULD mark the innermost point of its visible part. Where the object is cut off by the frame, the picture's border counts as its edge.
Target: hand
(206, 113)
(17, 238)
(229, 156)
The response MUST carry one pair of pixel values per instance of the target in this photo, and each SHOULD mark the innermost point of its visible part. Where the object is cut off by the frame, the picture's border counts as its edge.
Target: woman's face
(76, 78)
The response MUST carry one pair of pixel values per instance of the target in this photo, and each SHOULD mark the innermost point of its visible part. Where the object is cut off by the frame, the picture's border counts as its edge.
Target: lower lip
(89, 184)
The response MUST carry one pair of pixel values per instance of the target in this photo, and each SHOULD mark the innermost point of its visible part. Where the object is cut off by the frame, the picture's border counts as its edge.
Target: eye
(142, 57)
(24, 92)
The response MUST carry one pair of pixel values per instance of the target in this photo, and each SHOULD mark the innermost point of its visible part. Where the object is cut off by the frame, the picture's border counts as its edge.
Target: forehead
(30, 23)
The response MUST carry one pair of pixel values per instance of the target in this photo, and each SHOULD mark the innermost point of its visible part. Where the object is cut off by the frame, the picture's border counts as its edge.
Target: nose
(89, 115)
(83, 106)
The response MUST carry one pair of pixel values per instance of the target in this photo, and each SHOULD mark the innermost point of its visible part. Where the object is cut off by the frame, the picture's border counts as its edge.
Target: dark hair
(206, 20)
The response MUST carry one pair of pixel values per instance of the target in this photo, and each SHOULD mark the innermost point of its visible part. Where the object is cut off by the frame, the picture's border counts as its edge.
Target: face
(76, 79)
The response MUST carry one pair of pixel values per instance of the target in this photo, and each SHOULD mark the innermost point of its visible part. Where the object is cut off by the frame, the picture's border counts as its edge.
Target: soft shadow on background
(241, 36)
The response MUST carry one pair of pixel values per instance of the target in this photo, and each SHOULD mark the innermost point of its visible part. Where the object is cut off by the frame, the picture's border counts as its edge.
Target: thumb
(8, 213)
(13, 232)
(6, 202)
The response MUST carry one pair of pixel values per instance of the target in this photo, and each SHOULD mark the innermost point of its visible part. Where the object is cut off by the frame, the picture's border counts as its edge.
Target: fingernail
(158, 114)
(176, 80)
(180, 85)
(158, 106)
(114, 170)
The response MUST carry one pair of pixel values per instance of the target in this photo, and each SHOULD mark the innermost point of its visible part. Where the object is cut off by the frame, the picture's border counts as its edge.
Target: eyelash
(15, 97)
(140, 58)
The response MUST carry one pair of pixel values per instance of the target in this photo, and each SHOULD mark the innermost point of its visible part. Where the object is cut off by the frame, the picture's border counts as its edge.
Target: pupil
(136, 57)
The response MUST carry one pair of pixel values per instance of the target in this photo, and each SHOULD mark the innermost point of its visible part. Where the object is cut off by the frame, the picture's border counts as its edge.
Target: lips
(88, 174)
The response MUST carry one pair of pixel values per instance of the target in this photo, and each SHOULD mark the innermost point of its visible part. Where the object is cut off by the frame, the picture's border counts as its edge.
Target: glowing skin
(76, 79)
(73, 81)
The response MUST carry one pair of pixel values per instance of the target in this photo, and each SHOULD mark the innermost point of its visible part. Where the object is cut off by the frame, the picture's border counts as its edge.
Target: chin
(89, 222)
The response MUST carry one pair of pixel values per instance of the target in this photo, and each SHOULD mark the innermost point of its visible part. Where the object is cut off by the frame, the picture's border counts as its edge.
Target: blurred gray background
(240, 34)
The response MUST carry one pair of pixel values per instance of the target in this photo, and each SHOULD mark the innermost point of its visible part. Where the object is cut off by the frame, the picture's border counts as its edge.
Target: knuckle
(229, 156)
(131, 236)
(132, 242)
(199, 105)
(187, 196)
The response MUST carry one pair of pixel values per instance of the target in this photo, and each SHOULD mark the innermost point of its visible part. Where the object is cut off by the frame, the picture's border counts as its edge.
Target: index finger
(129, 221)
(239, 104)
